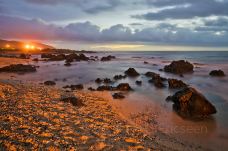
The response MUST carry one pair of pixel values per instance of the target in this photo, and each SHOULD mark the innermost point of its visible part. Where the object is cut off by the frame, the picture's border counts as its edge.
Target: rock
(35, 59)
(107, 80)
(151, 74)
(67, 64)
(18, 68)
(179, 67)
(24, 56)
(108, 58)
(91, 89)
(174, 83)
(73, 100)
(131, 72)
(217, 73)
(46, 55)
(83, 57)
(119, 77)
(158, 81)
(58, 57)
(105, 88)
(118, 96)
(50, 83)
(145, 62)
(98, 80)
(190, 103)
(74, 87)
(161, 70)
(138, 82)
(124, 87)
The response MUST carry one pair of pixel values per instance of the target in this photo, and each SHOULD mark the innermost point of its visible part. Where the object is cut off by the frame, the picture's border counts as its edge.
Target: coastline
(32, 117)
(125, 124)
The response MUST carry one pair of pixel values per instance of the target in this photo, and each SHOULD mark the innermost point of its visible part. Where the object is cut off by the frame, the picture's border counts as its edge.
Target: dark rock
(179, 67)
(35, 59)
(157, 81)
(138, 82)
(131, 72)
(91, 89)
(107, 80)
(174, 83)
(83, 57)
(118, 96)
(151, 74)
(73, 100)
(181, 75)
(124, 87)
(50, 83)
(74, 87)
(161, 70)
(67, 64)
(190, 103)
(18, 68)
(46, 55)
(24, 56)
(119, 77)
(218, 73)
(145, 62)
(58, 57)
(105, 88)
(98, 80)
(108, 58)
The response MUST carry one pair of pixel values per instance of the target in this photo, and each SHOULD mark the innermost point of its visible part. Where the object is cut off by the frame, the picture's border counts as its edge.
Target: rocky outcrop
(190, 103)
(151, 74)
(74, 87)
(124, 87)
(108, 58)
(175, 84)
(138, 82)
(118, 95)
(131, 72)
(179, 67)
(18, 68)
(119, 77)
(217, 73)
(105, 88)
(73, 100)
(49, 83)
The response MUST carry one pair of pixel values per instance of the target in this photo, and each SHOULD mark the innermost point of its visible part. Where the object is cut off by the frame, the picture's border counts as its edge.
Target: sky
(118, 24)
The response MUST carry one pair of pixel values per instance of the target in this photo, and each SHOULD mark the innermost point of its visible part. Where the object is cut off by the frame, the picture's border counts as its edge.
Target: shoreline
(37, 107)
(143, 116)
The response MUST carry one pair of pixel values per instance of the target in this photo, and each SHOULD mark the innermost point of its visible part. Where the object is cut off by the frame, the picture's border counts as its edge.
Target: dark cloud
(183, 9)
(89, 6)
(18, 28)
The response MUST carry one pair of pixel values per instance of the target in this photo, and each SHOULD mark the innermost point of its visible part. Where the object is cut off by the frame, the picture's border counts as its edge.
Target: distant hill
(5, 44)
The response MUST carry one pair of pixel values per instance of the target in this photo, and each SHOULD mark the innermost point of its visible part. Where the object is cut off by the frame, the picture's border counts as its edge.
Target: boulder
(158, 81)
(74, 87)
(138, 82)
(108, 58)
(145, 62)
(83, 57)
(24, 56)
(179, 67)
(174, 83)
(131, 72)
(107, 80)
(105, 88)
(124, 87)
(188, 102)
(119, 77)
(151, 74)
(46, 55)
(98, 80)
(118, 96)
(50, 83)
(217, 73)
(91, 89)
(73, 100)
(67, 64)
(18, 68)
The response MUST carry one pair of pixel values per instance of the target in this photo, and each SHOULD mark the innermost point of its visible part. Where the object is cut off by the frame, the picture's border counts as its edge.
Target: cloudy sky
(118, 24)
